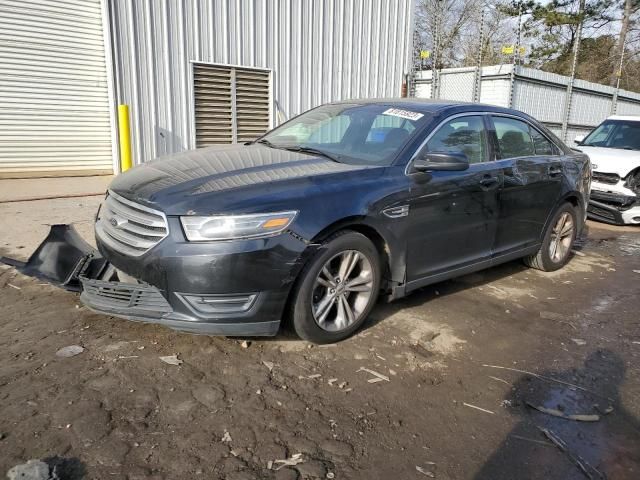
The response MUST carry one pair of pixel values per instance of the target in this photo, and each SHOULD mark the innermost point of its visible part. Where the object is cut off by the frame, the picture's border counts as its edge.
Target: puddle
(602, 304)
(629, 245)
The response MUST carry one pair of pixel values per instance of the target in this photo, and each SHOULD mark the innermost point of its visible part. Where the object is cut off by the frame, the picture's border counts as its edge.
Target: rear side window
(461, 135)
(514, 138)
(541, 144)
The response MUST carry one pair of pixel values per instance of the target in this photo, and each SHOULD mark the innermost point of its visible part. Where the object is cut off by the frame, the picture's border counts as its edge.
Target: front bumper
(145, 303)
(216, 288)
(614, 208)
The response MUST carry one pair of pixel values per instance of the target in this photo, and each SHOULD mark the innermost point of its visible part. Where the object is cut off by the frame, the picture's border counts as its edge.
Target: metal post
(516, 57)
(614, 100)
(435, 75)
(576, 51)
(478, 77)
(125, 137)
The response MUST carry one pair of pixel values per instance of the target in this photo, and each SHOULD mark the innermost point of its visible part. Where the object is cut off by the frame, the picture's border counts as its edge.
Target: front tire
(558, 240)
(337, 289)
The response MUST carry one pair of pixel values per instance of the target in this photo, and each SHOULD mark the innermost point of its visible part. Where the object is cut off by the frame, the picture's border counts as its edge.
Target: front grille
(128, 227)
(608, 178)
(123, 295)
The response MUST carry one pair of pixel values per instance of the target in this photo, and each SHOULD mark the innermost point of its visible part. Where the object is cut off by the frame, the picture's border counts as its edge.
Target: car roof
(633, 118)
(427, 105)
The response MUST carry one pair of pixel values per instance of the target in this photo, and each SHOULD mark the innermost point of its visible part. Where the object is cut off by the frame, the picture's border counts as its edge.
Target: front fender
(362, 209)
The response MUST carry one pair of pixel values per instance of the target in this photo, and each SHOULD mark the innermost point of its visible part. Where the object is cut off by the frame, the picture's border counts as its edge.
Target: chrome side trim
(475, 114)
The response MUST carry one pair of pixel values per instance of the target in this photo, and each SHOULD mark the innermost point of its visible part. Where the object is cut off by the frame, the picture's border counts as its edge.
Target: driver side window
(327, 131)
(461, 135)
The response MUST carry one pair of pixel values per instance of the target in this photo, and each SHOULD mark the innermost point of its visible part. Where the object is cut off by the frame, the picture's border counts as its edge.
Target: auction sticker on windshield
(409, 115)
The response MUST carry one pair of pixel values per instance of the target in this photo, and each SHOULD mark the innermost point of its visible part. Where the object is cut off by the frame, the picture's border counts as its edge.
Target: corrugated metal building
(540, 94)
(55, 100)
(194, 72)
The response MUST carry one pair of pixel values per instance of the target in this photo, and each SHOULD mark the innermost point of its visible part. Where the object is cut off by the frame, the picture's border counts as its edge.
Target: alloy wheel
(561, 238)
(342, 290)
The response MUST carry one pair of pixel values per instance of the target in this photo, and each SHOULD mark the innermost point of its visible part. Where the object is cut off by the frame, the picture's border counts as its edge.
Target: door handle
(489, 182)
(555, 171)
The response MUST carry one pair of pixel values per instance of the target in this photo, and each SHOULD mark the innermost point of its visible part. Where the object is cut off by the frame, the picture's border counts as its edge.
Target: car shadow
(421, 296)
(66, 468)
(442, 289)
(606, 447)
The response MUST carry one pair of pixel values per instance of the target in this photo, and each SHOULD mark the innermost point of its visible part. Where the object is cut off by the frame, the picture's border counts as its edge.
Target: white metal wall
(54, 101)
(528, 95)
(317, 51)
(495, 91)
(540, 94)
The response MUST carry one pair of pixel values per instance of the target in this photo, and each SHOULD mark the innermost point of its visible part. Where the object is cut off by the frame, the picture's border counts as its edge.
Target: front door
(532, 170)
(453, 214)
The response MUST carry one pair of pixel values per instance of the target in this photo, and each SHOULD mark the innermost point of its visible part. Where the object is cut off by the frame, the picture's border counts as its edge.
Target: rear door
(453, 215)
(532, 169)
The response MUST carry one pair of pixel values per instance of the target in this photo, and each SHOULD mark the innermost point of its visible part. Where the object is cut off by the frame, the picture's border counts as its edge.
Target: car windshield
(622, 134)
(349, 133)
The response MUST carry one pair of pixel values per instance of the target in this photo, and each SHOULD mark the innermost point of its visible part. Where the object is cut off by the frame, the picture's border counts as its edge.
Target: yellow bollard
(125, 137)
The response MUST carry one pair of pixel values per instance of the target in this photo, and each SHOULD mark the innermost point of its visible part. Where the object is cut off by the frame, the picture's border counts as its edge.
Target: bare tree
(459, 25)
(451, 18)
(631, 7)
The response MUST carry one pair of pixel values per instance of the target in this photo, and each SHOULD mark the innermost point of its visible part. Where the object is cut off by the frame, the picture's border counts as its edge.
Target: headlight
(223, 227)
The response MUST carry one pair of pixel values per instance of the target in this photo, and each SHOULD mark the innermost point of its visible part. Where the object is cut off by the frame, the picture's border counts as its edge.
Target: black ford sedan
(320, 217)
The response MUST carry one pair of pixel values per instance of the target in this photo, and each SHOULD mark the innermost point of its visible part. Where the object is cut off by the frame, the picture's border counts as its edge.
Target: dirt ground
(116, 411)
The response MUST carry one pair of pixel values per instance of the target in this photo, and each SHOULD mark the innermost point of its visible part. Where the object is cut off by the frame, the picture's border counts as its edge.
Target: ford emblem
(117, 222)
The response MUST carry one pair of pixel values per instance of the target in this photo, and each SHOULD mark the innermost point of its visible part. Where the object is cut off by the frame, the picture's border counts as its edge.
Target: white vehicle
(614, 150)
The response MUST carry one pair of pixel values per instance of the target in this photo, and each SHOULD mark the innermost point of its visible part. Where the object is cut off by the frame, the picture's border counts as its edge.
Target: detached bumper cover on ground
(61, 259)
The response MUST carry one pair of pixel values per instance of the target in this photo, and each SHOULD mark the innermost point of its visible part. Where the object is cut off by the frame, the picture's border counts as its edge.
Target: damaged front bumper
(614, 208)
(226, 288)
(62, 258)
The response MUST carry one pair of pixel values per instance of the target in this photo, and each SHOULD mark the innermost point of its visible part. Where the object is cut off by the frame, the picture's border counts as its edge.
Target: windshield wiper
(298, 148)
(266, 142)
(313, 151)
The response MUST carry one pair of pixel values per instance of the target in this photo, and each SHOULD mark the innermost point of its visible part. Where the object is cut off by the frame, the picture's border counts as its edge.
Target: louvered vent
(252, 104)
(231, 104)
(213, 105)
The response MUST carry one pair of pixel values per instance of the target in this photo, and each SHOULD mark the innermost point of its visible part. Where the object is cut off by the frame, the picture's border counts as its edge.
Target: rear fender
(61, 258)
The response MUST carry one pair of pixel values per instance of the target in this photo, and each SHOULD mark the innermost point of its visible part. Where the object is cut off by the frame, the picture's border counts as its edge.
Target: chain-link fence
(540, 94)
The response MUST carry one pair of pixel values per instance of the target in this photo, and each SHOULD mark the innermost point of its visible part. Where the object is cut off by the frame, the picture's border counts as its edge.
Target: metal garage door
(232, 105)
(54, 106)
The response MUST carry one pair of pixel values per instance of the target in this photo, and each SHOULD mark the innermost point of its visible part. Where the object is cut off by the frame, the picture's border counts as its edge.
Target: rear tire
(558, 240)
(326, 308)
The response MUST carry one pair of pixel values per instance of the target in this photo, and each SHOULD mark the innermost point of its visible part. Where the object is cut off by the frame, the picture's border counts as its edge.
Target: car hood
(612, 160)
(230, 179)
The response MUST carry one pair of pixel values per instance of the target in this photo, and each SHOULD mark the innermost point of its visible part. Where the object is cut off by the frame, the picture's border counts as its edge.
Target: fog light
(207, 305)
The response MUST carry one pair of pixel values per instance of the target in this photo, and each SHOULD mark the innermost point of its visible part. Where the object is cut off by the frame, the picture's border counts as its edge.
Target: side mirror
(578, 139)
(434, 162)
